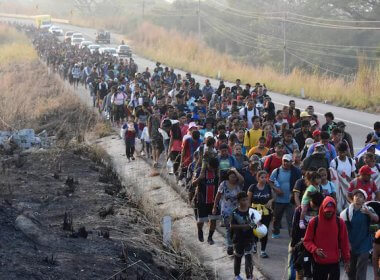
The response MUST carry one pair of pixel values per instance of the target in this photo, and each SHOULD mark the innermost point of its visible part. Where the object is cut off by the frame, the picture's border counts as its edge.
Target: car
(85, 44)
(68, 35)
(77, 36)
(109, 51)
(76, 41)
(93, 48)
(124, 50)
(103, 37)
(56, 30)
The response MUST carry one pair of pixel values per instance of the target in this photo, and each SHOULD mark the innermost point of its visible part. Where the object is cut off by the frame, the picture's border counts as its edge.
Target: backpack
(302, 259)
(337, 162)
(246, 112)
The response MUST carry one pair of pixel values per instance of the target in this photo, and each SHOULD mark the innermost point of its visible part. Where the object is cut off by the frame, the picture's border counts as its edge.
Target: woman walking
(262, 196)
(227, 193)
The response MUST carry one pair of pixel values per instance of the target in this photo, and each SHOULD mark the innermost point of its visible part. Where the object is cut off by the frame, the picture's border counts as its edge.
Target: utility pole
(143, 9)
(284, 51)
(199, 19)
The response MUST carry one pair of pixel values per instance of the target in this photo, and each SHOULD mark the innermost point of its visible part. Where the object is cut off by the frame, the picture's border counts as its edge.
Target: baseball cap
(287, 157)
(304, 114)
(360, 191)
(366, 170)
(316, 133)
(192, 125)
(330, 207)
(309, 142)
(340, 124)
(208, 134)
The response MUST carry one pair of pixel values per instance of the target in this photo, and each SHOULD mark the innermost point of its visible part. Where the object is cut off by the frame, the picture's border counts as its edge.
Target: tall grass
(30, 97)
(14, 46)
(188, 53)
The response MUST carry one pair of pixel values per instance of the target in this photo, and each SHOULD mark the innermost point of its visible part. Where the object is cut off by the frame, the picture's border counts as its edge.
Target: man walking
(327, 239)
(358, 218)
(282, 181)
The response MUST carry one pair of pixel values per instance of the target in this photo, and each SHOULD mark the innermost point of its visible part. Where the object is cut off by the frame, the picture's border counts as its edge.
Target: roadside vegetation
(188, 53)
(32, 97)
(14, 46)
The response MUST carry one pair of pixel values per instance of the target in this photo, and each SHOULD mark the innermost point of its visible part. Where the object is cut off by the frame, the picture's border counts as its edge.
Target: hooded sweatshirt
(326, 237)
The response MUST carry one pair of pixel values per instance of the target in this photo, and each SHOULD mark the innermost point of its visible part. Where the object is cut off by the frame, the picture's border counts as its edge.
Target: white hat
(287, 157)
(192, 125)
(208, 134)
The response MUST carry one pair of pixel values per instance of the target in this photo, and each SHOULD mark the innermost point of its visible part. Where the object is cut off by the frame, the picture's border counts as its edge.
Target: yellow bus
(43, 21)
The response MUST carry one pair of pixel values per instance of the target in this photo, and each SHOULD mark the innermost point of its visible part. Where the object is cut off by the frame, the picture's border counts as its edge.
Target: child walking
(313, 180)
(242, 236)
(131, 129)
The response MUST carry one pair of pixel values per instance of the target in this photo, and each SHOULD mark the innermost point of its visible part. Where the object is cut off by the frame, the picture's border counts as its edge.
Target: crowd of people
(233, 150)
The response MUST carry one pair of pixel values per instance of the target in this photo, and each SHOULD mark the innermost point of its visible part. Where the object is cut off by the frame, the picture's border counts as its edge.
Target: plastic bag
(169, 166)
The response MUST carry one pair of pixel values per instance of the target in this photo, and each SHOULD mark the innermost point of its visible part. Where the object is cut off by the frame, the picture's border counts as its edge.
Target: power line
(310, 51)
(330, 26)
(291, 19)
(227, 33)
(320, 67)
(335, 20)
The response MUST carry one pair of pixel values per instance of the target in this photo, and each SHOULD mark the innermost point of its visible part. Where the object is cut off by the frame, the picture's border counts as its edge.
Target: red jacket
(326, 237)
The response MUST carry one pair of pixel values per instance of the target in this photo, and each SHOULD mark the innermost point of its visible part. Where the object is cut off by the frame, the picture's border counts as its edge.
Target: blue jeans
(226, 221)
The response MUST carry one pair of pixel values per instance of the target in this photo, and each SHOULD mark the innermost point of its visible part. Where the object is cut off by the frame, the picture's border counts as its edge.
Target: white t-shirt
(250, 114)
(376, 169)
(344, 167)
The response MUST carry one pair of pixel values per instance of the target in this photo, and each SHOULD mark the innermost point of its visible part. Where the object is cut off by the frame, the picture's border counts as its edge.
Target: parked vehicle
(108, 51)
(124, 51)
(76, 41)
(85, 44)
(68, 35)
(103, 37)
(77, 36)
(93, 48)
(56, 30)
(43, 21)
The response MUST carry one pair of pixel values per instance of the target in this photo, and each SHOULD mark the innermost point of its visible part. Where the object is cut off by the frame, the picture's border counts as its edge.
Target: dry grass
(103, 129)
(14, 46)
(33, 98)
(186, 52)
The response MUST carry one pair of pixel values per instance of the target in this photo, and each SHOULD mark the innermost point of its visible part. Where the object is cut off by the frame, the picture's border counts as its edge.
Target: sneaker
(230, 250)
(275, 236)
(200, 236)
(238, 278)
(263, 255)
(210, 241)
(142, 154)
(133, 158)
(302, 224)
(254, 248)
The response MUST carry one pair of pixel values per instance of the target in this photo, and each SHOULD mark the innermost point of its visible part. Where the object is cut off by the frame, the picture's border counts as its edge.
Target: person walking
(206, 188)
(227, 193)
(327, 252)
(262, 196)
(301, 264)
(358, 218)
(282, 181)
(242, 236)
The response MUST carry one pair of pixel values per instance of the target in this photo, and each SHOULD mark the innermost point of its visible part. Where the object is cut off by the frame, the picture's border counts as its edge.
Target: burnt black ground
(33, 191)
